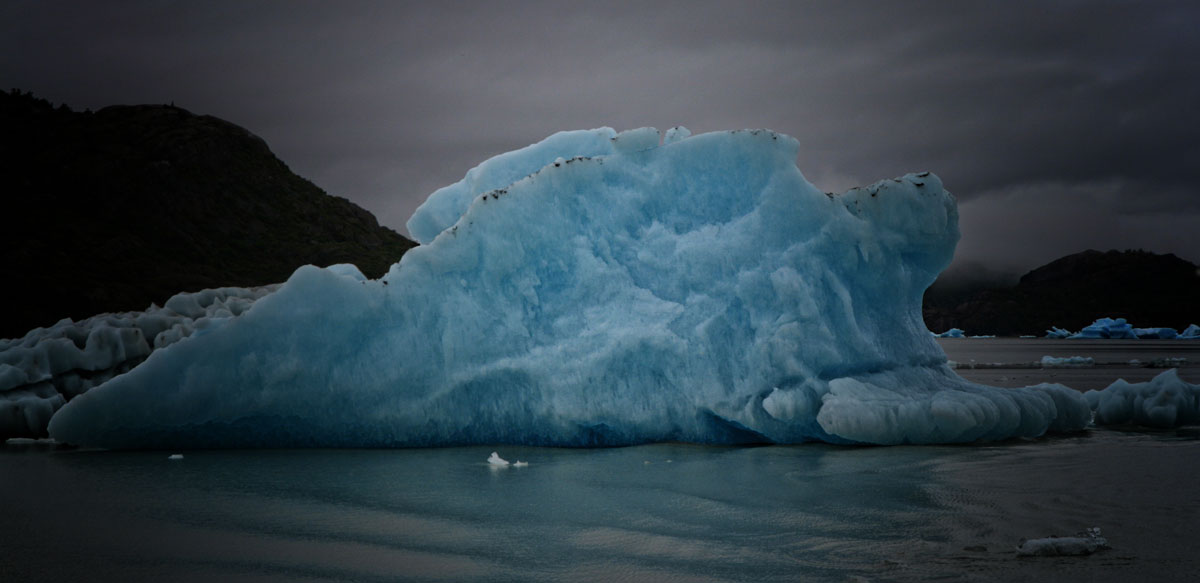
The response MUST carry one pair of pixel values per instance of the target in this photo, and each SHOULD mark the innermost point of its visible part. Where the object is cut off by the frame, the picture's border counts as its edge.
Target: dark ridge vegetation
(1145, 288)
(114, 209)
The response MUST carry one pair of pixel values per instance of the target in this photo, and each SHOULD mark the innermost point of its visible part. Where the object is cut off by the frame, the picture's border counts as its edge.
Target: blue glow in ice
(1107, 328)
(598, 289)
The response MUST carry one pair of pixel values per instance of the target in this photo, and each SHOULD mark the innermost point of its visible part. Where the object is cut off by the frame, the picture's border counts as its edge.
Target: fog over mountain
(1060, 126)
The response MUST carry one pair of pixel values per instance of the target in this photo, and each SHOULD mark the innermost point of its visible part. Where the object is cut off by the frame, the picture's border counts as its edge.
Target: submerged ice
(598, 289)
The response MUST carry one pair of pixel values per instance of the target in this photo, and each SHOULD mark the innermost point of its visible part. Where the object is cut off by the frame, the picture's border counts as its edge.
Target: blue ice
(595, 289)
(47, 366)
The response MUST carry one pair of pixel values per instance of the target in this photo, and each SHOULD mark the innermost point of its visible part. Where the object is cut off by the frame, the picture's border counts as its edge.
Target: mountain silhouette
(1147, 289)
(114, 209)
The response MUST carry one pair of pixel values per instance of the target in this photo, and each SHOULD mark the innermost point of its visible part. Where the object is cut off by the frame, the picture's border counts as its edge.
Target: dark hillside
(1147, 289)
(114, 209)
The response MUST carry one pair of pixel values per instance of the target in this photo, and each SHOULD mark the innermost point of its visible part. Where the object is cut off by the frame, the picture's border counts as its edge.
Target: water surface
(665, 512)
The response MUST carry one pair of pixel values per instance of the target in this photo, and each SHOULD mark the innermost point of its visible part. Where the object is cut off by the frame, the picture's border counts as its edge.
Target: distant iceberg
(1107, 328)
(1067, 361)
(1155, 333)
(598, 289)
(1119, 329)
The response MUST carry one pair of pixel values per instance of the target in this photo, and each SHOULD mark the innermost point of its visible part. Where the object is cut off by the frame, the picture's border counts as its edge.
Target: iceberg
(1117, 329)
(1165, 401)
(1120, 329)
(1155, 333)
(597, 289)
(1067, 361)
(1084, 543)
(48, 366)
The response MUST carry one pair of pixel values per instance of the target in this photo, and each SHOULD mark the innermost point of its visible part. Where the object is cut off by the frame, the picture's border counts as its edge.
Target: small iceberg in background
(1155, 333)
(1120, 329)
(1117, 329)
(1067, 361)
(175, 456)
(495, 461)
(1085, 543)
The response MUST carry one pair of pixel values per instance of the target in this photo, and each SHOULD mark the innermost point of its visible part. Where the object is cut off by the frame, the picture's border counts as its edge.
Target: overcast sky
(1060, 126)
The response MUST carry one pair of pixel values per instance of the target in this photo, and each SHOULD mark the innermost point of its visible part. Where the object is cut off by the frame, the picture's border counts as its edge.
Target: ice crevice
(699, 289)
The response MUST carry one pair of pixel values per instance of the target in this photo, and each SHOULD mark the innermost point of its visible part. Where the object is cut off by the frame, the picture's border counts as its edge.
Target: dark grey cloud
(1059, 125)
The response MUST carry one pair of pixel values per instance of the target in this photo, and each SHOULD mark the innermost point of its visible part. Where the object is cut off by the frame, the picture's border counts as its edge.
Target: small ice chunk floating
(598, 289)
(1085, 543)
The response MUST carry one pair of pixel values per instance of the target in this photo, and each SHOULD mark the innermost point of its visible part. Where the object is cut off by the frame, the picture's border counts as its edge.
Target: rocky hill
(114, 209)
(1147, 289)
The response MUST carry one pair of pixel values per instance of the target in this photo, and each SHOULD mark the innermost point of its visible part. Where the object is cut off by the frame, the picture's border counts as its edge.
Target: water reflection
(660, 512)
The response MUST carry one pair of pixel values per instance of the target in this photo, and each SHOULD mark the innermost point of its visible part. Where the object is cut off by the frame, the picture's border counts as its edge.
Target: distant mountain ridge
(1145, 288)
(114, 209)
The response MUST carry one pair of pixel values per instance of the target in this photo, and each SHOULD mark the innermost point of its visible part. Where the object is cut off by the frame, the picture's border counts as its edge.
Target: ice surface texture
(1164, 401)
(40, 371)
(598, 289)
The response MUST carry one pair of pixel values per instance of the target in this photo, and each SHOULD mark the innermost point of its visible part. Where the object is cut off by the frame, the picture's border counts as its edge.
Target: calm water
(667, 512)
(1007, 362)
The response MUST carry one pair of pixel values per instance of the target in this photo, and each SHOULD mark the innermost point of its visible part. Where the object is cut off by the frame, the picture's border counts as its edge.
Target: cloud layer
(1059, 125)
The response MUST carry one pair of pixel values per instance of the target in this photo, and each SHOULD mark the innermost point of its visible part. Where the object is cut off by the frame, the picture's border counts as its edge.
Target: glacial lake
(663, 512)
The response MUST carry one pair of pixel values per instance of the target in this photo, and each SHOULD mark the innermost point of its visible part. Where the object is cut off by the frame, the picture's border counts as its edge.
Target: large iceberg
(598, 289)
